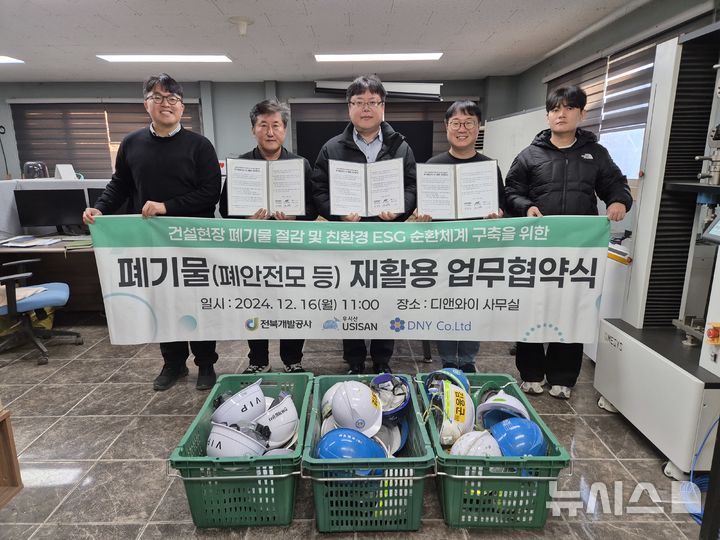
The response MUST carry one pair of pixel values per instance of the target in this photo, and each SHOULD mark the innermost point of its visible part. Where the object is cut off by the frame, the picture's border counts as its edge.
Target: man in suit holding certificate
(269, 120)
(366, 139)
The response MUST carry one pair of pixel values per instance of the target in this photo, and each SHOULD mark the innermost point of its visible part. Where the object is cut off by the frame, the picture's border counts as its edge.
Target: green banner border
(562, 231)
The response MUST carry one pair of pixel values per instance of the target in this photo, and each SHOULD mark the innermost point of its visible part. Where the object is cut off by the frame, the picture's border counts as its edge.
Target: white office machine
(659, 365)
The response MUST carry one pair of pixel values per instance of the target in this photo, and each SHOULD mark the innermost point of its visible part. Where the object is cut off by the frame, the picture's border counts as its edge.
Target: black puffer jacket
(564, 181)
(342, 147)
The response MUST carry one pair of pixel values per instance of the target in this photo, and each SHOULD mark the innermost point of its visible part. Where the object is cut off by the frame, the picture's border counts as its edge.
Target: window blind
(627, 89)
(86, 135)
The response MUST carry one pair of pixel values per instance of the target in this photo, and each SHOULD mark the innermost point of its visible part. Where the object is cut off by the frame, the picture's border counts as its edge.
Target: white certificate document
(436, 190)
(347, 187)
(385, 188)
(477, 189)
(246, 186)
(286, 178)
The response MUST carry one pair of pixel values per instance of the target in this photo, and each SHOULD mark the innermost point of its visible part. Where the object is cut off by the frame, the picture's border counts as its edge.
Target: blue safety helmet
(497, 408)
(519, 437)
(346, 443)
(394, 394)
(404, 431)
(454, 375)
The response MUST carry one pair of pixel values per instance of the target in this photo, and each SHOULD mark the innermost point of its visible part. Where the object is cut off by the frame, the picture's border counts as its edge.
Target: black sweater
(448, 158)
(310, 212)
(564, 181)
(181, 171)
(342, 147)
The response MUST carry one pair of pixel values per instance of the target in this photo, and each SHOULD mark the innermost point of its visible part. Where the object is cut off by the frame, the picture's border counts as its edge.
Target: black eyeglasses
(468, 124)
(363, 104)
(157, 98)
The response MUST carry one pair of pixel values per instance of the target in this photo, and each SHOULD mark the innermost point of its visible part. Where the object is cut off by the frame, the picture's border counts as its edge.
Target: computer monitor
(94, 194)
(50, 207)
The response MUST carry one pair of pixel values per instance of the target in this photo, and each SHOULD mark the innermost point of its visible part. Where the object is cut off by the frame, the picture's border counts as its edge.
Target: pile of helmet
(248, 423)
(500, 425)
(361, 421)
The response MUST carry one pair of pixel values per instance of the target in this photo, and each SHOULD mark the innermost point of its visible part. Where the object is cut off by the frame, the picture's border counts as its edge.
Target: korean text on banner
(520, 279)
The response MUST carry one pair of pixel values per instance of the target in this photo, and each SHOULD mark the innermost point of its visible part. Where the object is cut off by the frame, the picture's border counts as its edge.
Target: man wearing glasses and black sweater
(166, 170)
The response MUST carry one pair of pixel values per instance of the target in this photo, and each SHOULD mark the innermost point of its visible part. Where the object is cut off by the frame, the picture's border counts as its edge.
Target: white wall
(505, 137)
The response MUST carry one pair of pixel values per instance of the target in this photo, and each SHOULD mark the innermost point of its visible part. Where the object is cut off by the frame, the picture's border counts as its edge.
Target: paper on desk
(21, 238)
(35, 242)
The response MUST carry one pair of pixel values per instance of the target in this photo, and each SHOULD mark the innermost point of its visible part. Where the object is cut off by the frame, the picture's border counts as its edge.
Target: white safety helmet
(355, 406)
(382, 445)
(281, 417)
(476, 443)
(229, 441)
(292, 440)
(498, 408)
(456, 414)
(389, 436)
(278, 452)
(326, 403)
(244, 406)
(327, 426)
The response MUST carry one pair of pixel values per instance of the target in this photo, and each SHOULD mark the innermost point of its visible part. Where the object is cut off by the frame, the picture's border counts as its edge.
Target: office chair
(19, 311)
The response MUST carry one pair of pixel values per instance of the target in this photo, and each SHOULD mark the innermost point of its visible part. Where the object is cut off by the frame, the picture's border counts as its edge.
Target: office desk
(77, 268)
(9, 222)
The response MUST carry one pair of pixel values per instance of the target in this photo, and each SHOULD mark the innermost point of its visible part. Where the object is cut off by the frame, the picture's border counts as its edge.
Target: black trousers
(560, 365)
(175, 353)
(291, 351)
(355, 351)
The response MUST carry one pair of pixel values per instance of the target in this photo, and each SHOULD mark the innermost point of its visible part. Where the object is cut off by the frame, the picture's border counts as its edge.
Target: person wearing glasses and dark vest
(166, 170)
(563, 172)
(366, 139)
(462, 125)
(269, 120)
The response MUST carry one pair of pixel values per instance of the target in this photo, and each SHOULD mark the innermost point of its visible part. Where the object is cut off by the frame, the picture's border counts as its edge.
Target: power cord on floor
(691, 491)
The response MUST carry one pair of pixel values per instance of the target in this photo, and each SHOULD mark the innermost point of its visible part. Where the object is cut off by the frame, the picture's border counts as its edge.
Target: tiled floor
(93, 438)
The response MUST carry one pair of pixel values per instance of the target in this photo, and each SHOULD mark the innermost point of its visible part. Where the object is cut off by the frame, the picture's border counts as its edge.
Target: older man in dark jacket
(366, 139)
(562, 172)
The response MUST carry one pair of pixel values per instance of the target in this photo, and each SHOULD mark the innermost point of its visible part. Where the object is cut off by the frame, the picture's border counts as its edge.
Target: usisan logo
(252, 324)
(331, 324)
(397, 324)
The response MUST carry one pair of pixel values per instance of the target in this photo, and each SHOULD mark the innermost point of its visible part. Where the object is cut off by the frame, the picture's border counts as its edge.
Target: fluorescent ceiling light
(10, 60)
(390, 57)
(164, 57)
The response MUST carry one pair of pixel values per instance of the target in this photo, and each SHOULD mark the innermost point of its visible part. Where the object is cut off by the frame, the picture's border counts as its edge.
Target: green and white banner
(520, 279)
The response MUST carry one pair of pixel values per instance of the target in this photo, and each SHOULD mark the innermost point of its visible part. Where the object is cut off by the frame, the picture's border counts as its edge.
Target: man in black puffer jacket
(366, 139)
(562, 172)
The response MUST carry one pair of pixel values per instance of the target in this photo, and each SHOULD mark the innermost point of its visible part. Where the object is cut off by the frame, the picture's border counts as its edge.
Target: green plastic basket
(390, 499)
(247, 491)
(496, 492)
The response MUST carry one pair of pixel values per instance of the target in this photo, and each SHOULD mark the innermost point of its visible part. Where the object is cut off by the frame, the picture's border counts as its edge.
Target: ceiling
(58, 39)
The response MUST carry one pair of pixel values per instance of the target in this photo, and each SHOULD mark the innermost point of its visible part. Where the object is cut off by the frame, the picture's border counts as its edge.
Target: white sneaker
(253, 369)
(531, 387)
(560, 392)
